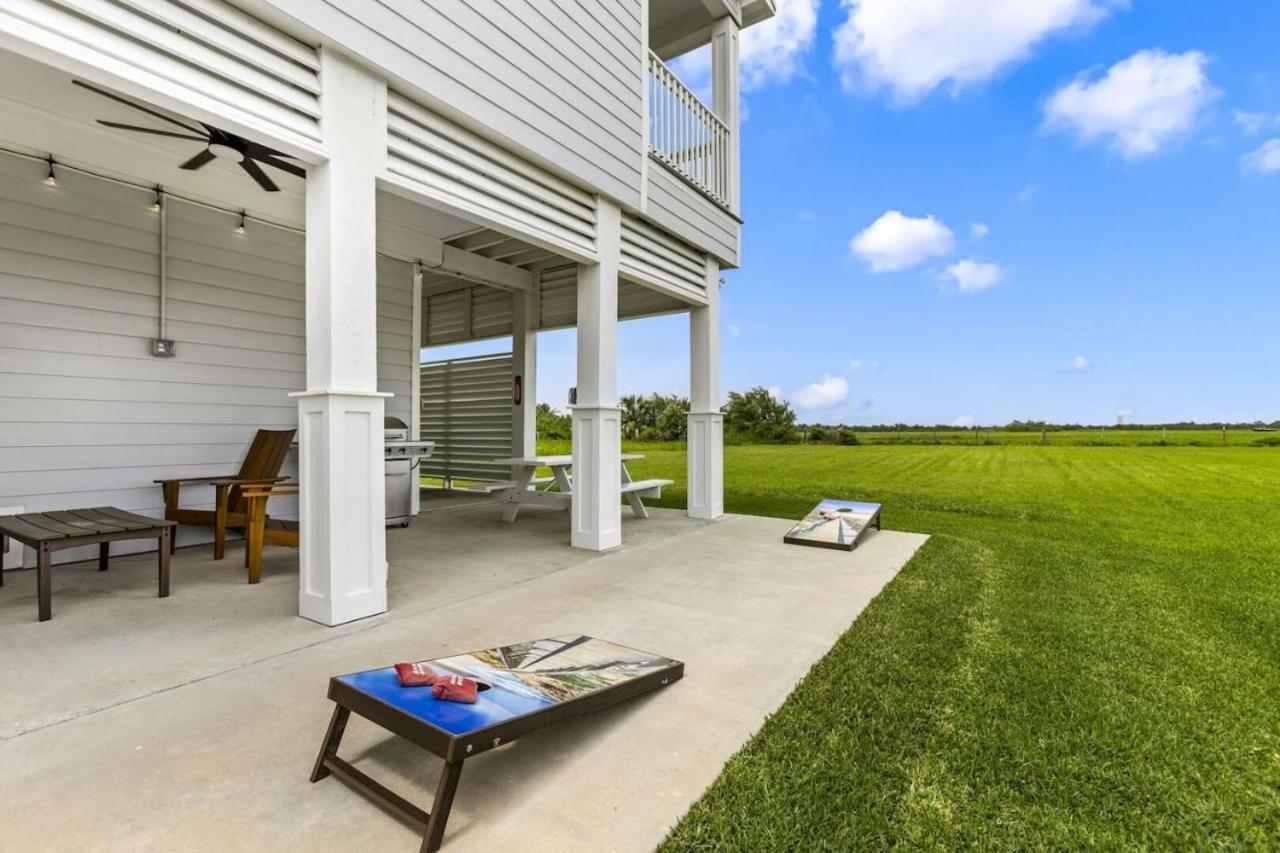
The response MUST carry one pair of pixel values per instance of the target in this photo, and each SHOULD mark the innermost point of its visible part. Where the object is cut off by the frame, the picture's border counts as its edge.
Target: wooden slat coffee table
(47, 532)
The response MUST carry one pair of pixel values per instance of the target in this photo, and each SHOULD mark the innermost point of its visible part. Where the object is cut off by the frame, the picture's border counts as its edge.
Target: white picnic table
(527, 488)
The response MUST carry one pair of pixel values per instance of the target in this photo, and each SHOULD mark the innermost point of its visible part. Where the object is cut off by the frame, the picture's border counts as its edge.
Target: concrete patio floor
(191, 723)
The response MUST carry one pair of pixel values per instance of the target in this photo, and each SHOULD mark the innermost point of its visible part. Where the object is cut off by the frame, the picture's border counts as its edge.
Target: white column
(524, 372)
(415, 386)
(343, 547)
(706, 423)
(725, 95)
(597, 420)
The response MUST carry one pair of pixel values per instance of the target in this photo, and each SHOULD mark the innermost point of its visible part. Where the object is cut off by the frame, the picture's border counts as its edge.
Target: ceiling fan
(219, 144)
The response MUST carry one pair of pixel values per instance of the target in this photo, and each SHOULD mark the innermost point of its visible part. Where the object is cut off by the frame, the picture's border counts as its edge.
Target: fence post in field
(1044, 436)
(1224, 434)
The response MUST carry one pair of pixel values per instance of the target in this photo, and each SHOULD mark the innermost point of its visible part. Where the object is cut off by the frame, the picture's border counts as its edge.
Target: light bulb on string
(240, 226)
(159, 201)
(51, 180)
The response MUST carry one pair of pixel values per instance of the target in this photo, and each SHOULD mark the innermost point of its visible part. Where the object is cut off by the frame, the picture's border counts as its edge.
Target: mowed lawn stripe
(1087, 653)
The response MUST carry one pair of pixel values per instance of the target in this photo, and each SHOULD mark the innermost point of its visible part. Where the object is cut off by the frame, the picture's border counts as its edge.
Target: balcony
(687, 136)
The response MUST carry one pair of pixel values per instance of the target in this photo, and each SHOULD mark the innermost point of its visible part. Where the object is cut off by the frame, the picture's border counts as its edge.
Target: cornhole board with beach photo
(835, 524)
(523, 687)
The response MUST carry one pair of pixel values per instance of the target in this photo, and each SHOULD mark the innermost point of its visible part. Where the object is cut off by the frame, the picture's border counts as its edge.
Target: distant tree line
(755, 416)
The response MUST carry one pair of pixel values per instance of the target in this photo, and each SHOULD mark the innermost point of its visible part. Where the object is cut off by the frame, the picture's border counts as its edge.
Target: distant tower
(1120, 418)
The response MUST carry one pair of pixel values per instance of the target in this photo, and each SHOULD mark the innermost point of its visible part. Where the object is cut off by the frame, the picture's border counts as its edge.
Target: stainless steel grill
(402, 455)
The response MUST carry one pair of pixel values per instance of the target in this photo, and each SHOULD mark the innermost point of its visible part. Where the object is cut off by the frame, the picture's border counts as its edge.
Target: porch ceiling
(679, 26)
(46, 113)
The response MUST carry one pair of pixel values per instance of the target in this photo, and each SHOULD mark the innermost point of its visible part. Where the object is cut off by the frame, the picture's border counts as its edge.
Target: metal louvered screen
(466, 411)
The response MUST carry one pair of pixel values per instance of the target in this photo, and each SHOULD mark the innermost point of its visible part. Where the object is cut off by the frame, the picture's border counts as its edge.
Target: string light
(159, 201)
(240, 227)
(51, 180)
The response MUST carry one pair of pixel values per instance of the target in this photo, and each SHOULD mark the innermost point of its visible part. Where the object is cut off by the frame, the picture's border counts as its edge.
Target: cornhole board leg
(328, 762)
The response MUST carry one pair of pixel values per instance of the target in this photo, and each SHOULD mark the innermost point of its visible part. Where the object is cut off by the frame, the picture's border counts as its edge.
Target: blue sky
(967, 211)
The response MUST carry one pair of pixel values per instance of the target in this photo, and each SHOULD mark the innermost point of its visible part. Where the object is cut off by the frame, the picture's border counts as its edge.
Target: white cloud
(1254, 123)
(1027, 194)
(898, 242)
(1078, 363)
(1140, 104)
(979, 230)
(964, 422)
(773, 51)
(860, 365)
(769, 52)
(971, 275)
(831, 391)
(775, 391)
(912, 47)
(1264, 159)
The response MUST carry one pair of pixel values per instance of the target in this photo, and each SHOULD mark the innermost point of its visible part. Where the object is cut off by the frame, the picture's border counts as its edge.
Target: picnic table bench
(47, 532)
(524, 488)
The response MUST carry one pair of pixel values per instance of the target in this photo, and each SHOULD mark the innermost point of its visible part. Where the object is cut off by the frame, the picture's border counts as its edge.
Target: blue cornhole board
(524, 686)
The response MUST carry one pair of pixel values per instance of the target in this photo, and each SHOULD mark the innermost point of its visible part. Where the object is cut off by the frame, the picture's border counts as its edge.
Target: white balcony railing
(686, 135)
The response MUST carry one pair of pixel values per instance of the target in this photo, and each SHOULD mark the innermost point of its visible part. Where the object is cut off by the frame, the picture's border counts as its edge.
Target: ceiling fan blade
(258, 175)
(259, 150)
(128, 103)
(275, 163)
(150, 130)
(197, 161)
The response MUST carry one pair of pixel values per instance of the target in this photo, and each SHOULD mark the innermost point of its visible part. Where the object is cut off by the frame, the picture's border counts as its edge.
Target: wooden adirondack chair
(261, 466)
(262, 529)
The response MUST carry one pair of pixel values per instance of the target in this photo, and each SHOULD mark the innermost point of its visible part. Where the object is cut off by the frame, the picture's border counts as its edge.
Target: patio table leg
(44, 581)
(564, 483)
(104, 552)
(166, 537)
(332, 738)
(637, 505)
(445, 790)
(523, 479)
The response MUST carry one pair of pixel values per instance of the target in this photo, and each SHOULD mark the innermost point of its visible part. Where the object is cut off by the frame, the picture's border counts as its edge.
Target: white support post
(342, 504)
(706, 423)
(597, 420)
(726, 97)
(524, 373)
(415, 387)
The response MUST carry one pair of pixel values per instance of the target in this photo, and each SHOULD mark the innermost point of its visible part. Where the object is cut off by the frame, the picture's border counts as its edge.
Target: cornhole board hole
(835, 524)
(524, 687)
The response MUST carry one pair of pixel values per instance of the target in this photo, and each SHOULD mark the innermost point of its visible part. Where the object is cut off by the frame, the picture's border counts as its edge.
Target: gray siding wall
(87, 416)
(691, 216)
(560, 79)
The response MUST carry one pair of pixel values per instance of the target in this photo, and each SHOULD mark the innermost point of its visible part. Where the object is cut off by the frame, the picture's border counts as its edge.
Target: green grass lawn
(1086, 653)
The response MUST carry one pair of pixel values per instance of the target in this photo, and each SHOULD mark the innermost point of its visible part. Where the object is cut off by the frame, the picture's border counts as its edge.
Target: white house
(473, 168)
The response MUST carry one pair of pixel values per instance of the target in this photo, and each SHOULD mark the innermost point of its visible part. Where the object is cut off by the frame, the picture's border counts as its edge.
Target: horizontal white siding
(558, 300)
(395, 336)
(87, 416)
(654, 258)
(455, 168)
(466, 411)
(560, 79)
(683, 210)
(202, 51)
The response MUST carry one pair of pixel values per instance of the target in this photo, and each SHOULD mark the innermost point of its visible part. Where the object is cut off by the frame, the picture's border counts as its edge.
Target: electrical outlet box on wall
(12, 558)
